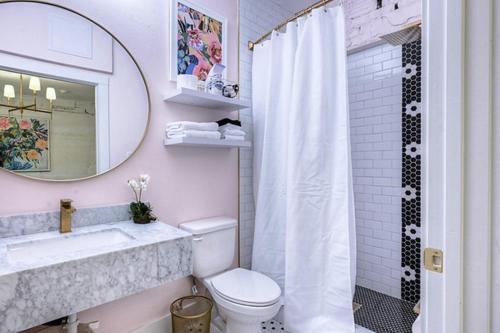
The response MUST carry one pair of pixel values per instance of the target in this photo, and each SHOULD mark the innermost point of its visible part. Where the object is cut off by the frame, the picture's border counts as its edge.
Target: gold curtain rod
(303, 12)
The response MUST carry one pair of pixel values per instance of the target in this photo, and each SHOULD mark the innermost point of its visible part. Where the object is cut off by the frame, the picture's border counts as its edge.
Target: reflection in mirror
(47, 126)
(74, 103)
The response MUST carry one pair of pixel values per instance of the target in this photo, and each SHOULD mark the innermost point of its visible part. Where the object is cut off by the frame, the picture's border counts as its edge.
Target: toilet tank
(214, 244)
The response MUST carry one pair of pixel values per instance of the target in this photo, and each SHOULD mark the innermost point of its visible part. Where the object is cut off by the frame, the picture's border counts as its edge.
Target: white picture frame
(174, 28)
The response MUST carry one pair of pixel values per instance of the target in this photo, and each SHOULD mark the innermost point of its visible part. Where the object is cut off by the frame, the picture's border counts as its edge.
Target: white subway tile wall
(256, 18)
(375, 92)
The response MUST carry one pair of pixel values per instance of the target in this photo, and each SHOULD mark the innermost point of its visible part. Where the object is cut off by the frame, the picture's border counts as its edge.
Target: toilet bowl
(244, 298)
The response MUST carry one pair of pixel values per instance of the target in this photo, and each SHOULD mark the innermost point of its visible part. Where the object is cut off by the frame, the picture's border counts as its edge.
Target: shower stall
(384, 89)
(386, 123)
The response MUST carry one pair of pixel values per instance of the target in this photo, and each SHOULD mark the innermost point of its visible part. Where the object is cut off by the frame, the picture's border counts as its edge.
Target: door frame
(443, 181)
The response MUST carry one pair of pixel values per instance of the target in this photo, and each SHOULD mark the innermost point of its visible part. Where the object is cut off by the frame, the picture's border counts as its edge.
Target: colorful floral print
(24, 124)
(24, 144)
(199, 42)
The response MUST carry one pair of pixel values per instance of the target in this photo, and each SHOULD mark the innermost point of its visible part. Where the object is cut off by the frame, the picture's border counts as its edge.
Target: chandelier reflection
(35, 86)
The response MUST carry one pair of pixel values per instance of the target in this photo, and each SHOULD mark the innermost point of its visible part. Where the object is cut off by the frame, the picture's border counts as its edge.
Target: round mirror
(74, 103)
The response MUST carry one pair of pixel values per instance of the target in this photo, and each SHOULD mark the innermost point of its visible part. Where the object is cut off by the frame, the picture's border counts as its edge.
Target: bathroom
(102, 96)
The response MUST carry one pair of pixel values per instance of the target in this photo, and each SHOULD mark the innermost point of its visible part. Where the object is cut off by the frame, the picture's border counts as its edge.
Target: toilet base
(233, 326)
(237, 322)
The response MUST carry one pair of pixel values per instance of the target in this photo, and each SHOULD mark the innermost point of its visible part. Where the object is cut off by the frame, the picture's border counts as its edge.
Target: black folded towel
(226, 121)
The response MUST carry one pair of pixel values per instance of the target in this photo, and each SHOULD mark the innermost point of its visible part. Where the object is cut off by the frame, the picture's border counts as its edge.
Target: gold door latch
(433, 260)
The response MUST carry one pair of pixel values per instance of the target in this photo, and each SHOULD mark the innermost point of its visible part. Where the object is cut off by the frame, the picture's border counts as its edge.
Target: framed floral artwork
(24, 144)
(198, 40)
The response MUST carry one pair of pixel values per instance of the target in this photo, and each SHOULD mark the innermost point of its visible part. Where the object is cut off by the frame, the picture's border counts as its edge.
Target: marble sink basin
(68, 243)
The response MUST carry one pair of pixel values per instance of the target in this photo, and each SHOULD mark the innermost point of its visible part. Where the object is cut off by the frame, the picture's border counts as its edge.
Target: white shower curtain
(304, 225)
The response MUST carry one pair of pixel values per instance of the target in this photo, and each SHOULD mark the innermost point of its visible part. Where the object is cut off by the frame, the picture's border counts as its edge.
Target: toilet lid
(246, 287)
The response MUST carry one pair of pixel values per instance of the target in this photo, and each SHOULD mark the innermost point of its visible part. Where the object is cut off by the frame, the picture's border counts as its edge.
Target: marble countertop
(39, 289)
(141, 235)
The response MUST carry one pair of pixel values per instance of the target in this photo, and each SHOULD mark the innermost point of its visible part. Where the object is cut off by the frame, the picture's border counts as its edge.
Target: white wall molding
(478, 178)
(443, 163)
(459, 96)
(496, 175)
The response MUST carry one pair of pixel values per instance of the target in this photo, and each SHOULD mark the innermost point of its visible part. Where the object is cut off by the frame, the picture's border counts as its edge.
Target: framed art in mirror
(31, 153)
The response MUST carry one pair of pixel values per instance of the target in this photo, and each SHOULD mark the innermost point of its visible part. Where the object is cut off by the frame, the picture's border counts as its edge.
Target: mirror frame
(140, 72)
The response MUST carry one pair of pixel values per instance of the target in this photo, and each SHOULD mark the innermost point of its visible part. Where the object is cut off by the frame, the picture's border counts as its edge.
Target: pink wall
(186, 183)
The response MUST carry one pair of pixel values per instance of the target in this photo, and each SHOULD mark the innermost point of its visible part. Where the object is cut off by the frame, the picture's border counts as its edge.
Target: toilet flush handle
(197, 239)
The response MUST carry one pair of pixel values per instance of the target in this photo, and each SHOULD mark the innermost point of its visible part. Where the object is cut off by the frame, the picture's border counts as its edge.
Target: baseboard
(162, 325)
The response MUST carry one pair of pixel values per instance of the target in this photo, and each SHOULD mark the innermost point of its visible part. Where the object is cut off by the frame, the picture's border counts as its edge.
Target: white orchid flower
(133, 184)
(144, 179)
(139, 185)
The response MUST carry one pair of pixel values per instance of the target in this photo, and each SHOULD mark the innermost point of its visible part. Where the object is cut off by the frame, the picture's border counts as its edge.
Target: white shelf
(208, 143)
(205, 100)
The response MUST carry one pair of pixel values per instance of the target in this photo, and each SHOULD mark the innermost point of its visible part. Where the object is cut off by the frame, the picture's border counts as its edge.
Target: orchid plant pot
(141, 212)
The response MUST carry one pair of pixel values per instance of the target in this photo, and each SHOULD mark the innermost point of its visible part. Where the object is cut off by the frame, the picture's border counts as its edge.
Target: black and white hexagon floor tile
(273, 326)
(276, 326)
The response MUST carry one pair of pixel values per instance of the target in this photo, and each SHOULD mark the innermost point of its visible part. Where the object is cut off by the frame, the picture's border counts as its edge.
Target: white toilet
(244, 298)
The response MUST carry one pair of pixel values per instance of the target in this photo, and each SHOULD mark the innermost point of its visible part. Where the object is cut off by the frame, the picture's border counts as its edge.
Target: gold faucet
(66, 214)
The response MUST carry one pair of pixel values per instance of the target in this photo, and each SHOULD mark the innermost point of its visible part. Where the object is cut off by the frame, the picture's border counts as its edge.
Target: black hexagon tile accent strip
(411, 201)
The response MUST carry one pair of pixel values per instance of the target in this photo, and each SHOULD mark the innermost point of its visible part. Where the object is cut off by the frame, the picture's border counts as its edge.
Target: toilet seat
(245, 287)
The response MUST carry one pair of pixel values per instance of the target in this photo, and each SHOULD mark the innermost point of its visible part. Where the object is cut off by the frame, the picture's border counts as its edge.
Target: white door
(442, 171)
(460, 56)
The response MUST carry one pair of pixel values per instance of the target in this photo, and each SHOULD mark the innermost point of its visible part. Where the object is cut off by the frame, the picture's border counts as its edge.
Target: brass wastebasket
(191, 314)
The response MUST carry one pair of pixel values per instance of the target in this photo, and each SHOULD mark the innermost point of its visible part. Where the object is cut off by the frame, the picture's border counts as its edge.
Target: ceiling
(295, 5)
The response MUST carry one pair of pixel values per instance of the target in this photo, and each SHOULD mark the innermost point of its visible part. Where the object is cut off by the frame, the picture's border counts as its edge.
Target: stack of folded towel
(231, 129)
(189, 129)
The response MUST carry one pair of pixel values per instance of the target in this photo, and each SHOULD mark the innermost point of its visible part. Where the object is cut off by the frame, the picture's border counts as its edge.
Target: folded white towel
(233, 137)
(191, 125)
(193, 134)
(229, 126)
(236, 132)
